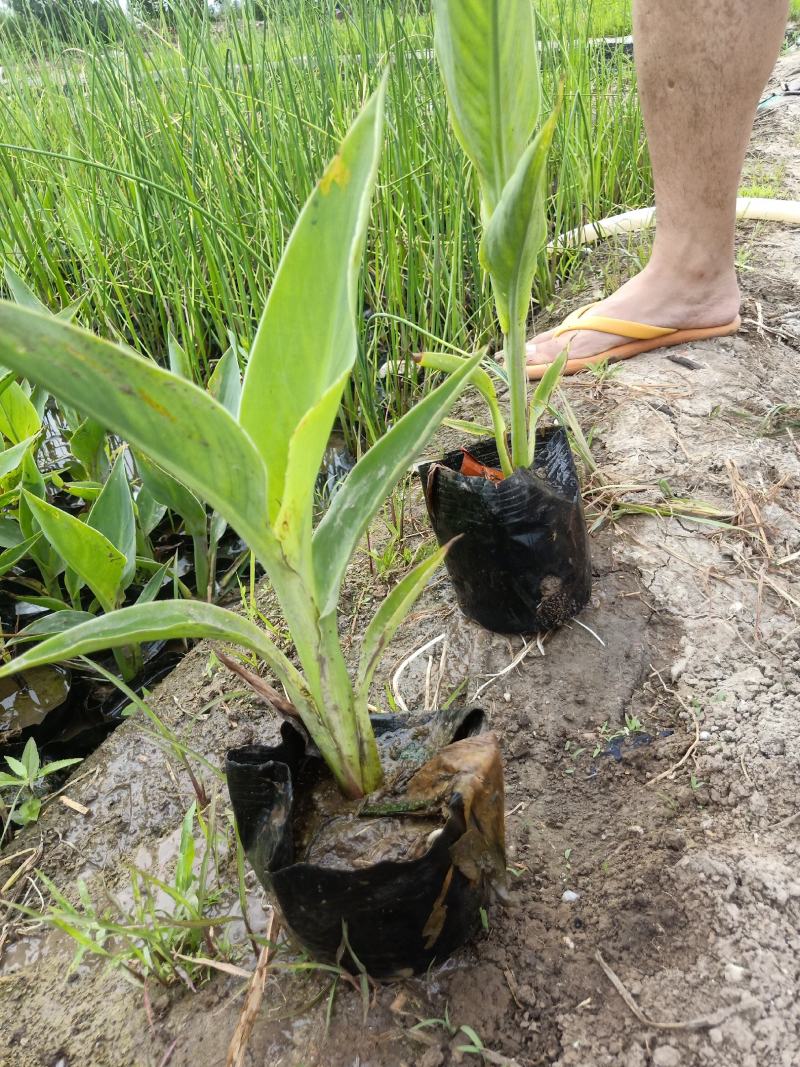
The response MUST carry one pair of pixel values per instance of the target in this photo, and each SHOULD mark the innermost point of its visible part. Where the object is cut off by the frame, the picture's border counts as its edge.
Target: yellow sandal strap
(636, 331)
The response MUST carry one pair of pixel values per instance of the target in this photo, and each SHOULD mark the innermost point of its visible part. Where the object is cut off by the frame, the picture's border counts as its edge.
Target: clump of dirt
(652, 768)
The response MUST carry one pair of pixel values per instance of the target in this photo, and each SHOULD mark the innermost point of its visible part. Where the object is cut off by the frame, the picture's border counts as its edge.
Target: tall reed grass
(155, 172)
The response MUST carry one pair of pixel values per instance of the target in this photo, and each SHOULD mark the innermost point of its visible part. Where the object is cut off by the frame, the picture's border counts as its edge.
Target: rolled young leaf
(541, 397)
(489, 63)
(86, 551)
(516, 232)
(371, 481)
(225, 383)
(306, 342)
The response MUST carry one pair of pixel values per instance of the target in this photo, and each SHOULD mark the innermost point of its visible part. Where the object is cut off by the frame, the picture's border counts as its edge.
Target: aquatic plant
(257, 466)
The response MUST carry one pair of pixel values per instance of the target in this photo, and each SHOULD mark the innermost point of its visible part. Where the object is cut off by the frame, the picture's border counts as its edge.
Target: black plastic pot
(522, 561)
(398, 916)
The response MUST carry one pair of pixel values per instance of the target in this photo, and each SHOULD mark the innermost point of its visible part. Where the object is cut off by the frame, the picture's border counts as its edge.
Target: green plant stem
(514, 345)
(202, 567)
(359, 763)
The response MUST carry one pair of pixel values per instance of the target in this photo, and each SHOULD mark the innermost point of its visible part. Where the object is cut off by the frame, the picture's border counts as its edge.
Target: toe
(545, 348)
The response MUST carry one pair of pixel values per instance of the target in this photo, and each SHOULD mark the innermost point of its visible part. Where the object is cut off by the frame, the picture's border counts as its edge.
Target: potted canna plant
(522, 561)
(407, 887)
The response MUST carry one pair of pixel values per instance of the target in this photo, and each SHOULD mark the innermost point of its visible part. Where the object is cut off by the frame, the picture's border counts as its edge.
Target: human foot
(656, 297)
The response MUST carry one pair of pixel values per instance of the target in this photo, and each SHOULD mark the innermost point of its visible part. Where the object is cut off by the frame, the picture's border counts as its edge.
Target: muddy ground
(680, 854)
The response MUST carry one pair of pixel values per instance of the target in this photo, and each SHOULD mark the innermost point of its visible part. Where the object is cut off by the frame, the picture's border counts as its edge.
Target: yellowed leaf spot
(337, 173)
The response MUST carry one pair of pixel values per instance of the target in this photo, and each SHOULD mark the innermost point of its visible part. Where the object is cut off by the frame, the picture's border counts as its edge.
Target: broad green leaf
(371, 481)
(58, 765)
(68, 313)
(21, 292)
(18, 417)
(28, 811)
(82, 490)
(516, 232)
(13, 555)
(179, 425)
(225, 383)
(91, 555)
(17, 767)
(87, 444)
(10, 533)
(391, 613)
(477, 429)
(149, 511)
(30, 758)
(55, 623)
(490, 66)
(306, 341)
(50, 602)
(294, 521)
(170, 492)
(46, 558)
(112, 515)
(7, 780)
(179, 362)
(161, 620)
(13, 456)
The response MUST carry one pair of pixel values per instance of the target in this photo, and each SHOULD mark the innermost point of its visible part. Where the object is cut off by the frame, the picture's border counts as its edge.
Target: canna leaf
(88, 552)
(489, 62)
(149, 511)
(225, 383)
(371, 481)
(306, 341)
(179, 425)
(55, 623)
(13, 456)
(112, 515)
(87, 444)
(179, 362)
(10, 533)
(516, 232)
(161, 620)
(390, 614)
(13, 555)
(19, 419)
(169, 492)
(154, 583)
(21, 292)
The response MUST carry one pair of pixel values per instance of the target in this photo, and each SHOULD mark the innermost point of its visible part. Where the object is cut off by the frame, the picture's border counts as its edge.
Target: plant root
(706, 1022)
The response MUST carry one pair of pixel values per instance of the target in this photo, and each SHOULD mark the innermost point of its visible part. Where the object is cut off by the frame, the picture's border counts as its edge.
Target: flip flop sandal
(643, 338)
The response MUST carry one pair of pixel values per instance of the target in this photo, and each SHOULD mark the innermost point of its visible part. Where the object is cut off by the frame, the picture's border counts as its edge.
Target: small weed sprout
(25, 779)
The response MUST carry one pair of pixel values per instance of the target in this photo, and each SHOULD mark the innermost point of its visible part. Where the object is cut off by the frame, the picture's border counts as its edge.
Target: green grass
(158, 176)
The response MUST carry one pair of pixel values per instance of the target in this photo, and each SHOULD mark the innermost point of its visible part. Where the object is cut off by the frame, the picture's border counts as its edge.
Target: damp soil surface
(652, 766)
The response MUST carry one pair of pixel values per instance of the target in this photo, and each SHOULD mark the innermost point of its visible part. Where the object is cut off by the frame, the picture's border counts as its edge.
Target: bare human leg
(701, 68)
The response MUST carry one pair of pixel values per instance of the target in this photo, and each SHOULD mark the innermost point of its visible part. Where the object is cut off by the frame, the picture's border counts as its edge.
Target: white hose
(758, 208)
